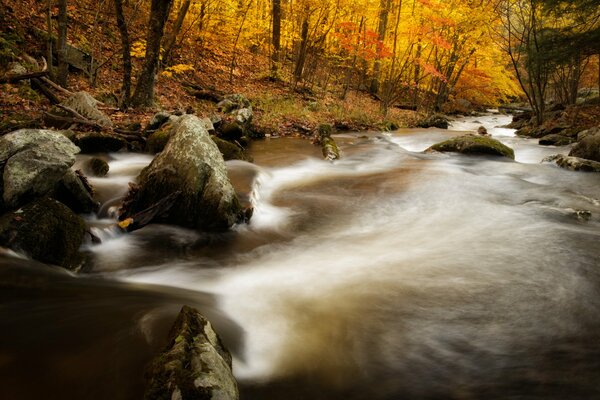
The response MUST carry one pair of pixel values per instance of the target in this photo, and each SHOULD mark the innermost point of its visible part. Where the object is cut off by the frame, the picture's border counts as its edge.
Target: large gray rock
(194, 366)
(588, 148)
(555, 139)
(470, 144)
(574, 163)
(36, 160)
(45, 230)
(192, 166)
(588, 132)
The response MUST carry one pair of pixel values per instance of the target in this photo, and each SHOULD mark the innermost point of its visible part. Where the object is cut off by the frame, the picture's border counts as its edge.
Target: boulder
(470, 144)
(194, 366)
(434, 121)
(588, 148)
(233, 102)
(45, 230)
(98, 166)
(574, 163)
(328, 145)
(36, 160)
(555, 140)
(482, 131)
(244, 116)
(588, 132)
(208, 125)
(85, 105)
(98, 142)
(192, 166)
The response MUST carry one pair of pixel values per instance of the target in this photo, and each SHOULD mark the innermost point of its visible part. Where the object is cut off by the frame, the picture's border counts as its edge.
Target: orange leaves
(360, 42)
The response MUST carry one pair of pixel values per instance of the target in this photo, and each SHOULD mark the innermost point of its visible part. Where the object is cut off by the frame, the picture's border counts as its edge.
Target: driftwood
(144, 217)
(74, 121)
(37, 85)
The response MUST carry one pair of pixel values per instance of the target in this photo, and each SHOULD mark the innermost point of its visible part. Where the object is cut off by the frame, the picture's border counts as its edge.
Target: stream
(389, 274)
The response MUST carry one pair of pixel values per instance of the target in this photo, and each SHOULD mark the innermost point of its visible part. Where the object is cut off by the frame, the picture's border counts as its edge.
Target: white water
(390, 273)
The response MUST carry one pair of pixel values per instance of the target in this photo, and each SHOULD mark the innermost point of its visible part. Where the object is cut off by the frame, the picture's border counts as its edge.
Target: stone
(482, 131)
(231, 131)
(330, 149)
(574, 163)
(230, 151)
(192, 166)
(36, 160)
(434, 121)
(98, 166)
(194, 366)
(156, 122)
(208, 125)
(555, 140)
(45, 230)
(588, 148)
(72, 192)
(244, 116)
(470, 144)
(588, 132)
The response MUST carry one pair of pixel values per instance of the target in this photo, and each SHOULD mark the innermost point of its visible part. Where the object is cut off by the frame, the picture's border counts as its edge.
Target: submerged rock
(470, 144)
(574, 163)
(192, 165)
(74, 193)
(98, 166)
(588, 148)
(36, 160)
(194, 366)
(45, 230)
(482, 131)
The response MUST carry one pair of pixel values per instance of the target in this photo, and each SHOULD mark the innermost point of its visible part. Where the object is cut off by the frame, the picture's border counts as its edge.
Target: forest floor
(280, 109)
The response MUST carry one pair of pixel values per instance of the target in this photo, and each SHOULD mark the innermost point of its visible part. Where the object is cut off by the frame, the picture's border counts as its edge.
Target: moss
(330, 149)
(159, 139)
(230, 151)
(474, 145)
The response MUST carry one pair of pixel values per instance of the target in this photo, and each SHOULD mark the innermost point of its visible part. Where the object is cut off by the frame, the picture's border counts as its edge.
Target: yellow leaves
(177, 70)
(125, 223)
(138, 49)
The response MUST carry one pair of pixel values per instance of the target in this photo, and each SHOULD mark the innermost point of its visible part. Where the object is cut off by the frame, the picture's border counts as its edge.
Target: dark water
(390, 274)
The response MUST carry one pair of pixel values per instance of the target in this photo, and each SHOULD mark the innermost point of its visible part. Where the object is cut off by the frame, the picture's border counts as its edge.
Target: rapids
(389, 274)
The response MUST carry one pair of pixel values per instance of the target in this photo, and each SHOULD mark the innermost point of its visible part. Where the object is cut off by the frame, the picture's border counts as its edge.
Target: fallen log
(22, 77)
(139, 220)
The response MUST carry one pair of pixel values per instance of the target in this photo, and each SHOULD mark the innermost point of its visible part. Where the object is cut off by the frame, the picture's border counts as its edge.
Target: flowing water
(389, 274)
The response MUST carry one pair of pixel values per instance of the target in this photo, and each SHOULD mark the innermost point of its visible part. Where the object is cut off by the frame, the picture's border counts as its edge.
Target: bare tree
(126, 51)
(63, 66)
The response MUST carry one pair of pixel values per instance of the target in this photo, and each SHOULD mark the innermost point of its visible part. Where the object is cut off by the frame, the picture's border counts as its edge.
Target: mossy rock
(330, 149)
(325, 130)
(194, 366)
(46, 230)
(231, 131)
(159, 139)
(230, 151)
(574, 163)
(98, 166)
(470, 144)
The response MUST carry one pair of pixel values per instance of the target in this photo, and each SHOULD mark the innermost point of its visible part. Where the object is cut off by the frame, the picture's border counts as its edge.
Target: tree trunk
(144, 91)
(302, 52)
(63, 66)
(172, 37)
(384, 9)
(276, 14)
(126, 51)
(49, 41)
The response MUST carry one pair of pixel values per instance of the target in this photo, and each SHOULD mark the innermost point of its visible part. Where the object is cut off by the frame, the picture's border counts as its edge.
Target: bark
(172, 37)
(276, 14)
(126, 51)
(302, 51)
(63, 66)
(49, 41)
(384, 11)
(144, 91)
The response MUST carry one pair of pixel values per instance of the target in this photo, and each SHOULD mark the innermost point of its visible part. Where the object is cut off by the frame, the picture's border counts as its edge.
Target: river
(389, 274)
